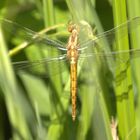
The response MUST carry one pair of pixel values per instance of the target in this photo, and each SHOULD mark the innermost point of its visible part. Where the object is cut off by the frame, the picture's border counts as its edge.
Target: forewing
(12, 29)
(111, 35)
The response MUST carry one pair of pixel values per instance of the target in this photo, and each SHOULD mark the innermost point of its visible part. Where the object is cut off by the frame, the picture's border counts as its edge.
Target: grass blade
(124, 91)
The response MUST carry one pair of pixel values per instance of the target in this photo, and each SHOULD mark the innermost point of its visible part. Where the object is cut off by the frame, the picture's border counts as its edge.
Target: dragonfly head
(72, 26)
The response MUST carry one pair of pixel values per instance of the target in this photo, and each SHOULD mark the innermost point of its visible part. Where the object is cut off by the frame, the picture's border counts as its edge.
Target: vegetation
(35, 97)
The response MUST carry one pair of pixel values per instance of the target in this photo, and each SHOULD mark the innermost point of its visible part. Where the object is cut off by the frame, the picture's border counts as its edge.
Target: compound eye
(70, 26)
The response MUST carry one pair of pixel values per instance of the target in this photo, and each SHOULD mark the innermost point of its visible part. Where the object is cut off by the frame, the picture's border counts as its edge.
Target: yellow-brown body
(72, 55)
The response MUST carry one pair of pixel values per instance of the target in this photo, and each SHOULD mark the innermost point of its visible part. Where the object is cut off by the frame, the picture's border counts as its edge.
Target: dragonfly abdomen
(73, 88)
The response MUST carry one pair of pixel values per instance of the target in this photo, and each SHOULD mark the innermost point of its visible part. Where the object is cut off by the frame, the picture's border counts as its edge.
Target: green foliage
(35, 104)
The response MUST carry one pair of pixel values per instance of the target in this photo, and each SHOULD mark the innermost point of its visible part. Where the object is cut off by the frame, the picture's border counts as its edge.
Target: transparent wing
(44, 67)
(129, 26)
(26, 34)
(118, 57)
(132, 53)
(42, 53)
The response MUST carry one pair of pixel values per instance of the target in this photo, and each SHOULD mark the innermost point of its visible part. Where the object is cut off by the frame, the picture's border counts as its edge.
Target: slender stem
(35, 36)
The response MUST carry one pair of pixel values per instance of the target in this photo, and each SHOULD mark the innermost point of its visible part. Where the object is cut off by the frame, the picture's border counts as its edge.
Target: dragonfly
(73, 50)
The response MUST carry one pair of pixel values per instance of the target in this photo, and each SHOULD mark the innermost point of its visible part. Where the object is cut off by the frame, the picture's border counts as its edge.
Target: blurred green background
(36, 105)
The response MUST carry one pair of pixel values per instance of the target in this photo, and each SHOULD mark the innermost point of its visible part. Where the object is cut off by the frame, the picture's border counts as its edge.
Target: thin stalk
(25, 44)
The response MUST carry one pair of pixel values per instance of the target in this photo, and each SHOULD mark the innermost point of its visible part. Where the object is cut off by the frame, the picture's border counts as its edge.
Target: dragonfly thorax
(72, 55)
(72, 49)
